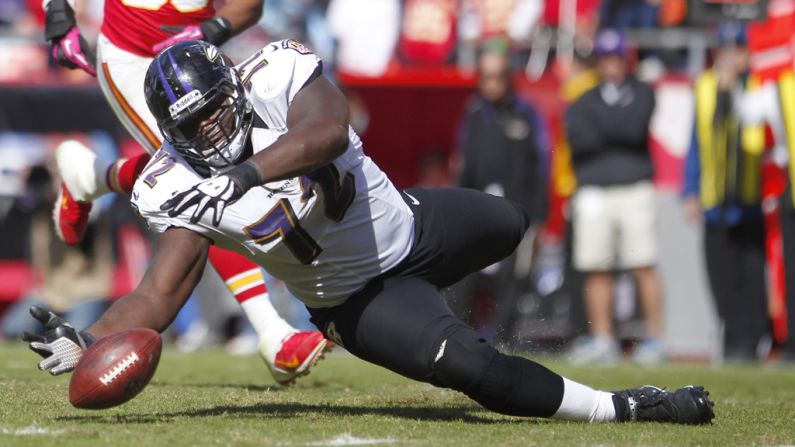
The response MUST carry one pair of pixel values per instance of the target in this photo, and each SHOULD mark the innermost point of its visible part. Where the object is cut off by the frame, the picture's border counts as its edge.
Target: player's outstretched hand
(178, 34)
(61, 345)
(215, 193)
(72, 51)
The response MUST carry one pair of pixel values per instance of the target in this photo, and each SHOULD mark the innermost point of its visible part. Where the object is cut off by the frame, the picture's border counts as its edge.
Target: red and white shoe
(299, 351)
(70, 217)
(82, 175)
(81, 170)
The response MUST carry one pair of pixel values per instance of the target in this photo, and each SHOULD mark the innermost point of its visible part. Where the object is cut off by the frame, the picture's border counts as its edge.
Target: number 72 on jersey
(280, 222)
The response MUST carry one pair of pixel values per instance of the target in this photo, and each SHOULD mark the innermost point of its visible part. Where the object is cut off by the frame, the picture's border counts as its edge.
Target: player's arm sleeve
(174, 270)
(305, 66)
(290, 68)
(317, 120)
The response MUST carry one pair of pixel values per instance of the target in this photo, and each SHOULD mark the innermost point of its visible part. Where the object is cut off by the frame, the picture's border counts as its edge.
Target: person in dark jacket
(613, 207)
(504, 149)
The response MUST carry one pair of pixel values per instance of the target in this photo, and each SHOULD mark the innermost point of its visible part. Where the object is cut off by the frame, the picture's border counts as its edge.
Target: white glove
(61, 346)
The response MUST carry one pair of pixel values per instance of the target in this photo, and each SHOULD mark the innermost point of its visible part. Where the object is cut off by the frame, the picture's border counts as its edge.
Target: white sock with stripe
(270, 327)
(250, 291)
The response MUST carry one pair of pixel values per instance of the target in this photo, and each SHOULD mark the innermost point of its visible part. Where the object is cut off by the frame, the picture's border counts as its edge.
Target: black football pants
(401, 322)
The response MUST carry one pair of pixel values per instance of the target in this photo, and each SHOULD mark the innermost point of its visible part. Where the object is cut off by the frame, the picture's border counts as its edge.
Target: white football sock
(583, 403)
(270, 327)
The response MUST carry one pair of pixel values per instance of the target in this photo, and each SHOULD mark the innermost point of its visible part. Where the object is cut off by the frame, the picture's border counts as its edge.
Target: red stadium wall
(410, 113)
(413, 111)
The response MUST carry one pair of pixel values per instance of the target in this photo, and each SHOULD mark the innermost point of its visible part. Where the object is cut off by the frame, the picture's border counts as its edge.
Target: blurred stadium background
(407, 68)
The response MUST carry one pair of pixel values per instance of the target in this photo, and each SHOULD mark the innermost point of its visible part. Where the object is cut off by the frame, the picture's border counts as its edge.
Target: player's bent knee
(461, 360)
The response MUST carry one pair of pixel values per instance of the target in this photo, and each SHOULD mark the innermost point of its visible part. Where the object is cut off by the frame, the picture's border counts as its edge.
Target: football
(115, 369)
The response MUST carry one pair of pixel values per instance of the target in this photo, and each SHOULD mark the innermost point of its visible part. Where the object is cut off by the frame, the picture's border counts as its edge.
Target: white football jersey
(325, 234)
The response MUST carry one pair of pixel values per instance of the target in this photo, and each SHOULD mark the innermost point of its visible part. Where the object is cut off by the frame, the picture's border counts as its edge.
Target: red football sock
(121, 175)
(242, 276)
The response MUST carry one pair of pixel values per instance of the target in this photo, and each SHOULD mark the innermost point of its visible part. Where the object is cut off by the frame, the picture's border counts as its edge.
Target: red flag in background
(772, 41)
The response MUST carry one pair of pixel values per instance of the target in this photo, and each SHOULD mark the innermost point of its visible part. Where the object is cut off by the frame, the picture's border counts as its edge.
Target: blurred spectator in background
(428, 34)
(76, 281)
(785, 124)
(613, 208)
(303, 20)
(504, 147)
(366, 32)
(482, 20)
(780, 106)
(629, 14)
(722, 189)
(579, 75)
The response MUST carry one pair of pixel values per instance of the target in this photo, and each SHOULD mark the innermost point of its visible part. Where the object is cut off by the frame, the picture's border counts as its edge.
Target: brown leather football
(115, 369)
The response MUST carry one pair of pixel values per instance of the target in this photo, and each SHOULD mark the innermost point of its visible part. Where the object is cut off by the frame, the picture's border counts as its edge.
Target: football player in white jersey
(133, 32)
(260, 159)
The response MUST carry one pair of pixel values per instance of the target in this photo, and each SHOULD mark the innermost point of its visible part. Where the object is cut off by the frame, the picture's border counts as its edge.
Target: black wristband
(58, 20)
(245, 176)
(88, 339)
(216, 30)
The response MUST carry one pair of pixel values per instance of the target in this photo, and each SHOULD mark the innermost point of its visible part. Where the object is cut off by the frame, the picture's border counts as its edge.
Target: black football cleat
(688, 405)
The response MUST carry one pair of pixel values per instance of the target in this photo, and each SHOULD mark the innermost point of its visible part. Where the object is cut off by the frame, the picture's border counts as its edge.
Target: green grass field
(211, 399)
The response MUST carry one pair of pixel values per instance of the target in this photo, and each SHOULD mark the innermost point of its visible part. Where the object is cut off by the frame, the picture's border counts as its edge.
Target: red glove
(72, 51)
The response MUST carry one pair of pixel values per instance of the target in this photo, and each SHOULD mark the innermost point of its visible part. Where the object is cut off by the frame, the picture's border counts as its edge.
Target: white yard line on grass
(348, 439)
(30, 430)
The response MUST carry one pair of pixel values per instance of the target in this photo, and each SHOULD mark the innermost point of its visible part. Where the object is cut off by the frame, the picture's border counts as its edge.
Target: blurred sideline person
(785, 126)
(613, 208)
(76, 281)
(579, 75)
(504, 147)
(131, 34)
(774, 105)
(264, 162)
(722, 184)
